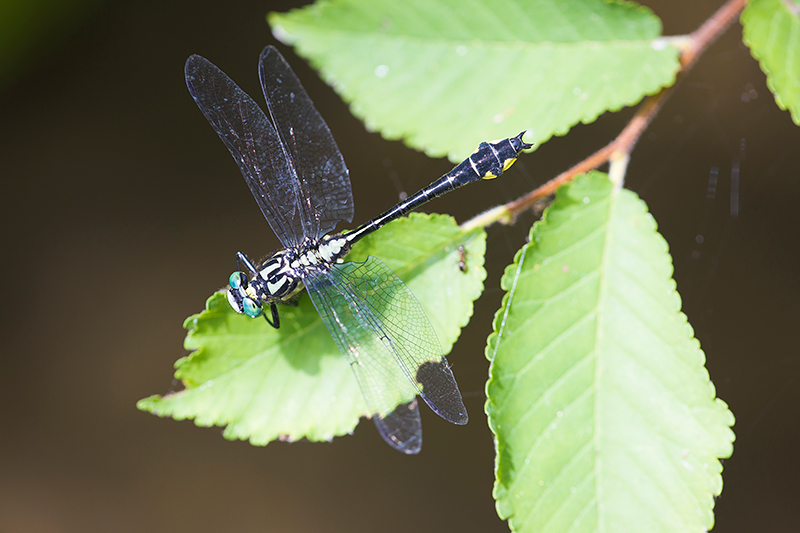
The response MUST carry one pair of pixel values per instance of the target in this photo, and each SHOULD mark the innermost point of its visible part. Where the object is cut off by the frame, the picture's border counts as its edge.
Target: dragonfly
(297, 174)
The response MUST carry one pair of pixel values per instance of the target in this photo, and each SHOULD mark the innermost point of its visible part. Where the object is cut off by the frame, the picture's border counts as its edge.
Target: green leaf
(771, 28)
(604, 415)
(445, 74)
(265, 384)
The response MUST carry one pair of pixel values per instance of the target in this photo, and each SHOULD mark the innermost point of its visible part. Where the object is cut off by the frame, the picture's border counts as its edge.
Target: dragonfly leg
(241, 258)
(276, 319)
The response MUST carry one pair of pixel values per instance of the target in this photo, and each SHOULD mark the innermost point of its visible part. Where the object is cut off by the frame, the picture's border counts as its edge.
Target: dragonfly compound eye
(251, 307)
(237, 281)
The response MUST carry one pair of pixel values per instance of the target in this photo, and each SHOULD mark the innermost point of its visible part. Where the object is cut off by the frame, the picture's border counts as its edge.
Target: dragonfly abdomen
(488, 161)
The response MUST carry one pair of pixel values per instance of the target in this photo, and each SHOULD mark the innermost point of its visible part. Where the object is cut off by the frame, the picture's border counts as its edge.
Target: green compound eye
(237, 280)
(251, 308)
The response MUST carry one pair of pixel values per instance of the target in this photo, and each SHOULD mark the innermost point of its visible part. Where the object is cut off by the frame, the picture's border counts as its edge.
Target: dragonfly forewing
(320, 175)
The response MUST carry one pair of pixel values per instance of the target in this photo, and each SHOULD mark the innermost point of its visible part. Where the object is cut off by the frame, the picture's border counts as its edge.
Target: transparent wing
(321, 180)
(291, 204)
(391, 346)
(389, 396)
(398, 319)
(250, 138)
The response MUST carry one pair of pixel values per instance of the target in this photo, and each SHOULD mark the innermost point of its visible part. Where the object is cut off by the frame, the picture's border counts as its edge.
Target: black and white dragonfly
(299, 179)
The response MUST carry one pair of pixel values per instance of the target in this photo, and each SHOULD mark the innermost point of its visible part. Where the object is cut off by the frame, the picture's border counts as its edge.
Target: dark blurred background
(121, 212)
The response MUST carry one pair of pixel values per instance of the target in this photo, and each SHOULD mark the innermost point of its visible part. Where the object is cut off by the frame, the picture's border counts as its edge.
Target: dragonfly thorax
(279, 278)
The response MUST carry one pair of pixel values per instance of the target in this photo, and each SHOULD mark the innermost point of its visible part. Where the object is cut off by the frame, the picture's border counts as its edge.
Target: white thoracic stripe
(271, 267)
(273, 288)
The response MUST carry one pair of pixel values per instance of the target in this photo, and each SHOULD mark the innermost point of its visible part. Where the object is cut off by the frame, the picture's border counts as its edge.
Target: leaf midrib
(592, 44)
(611, 201)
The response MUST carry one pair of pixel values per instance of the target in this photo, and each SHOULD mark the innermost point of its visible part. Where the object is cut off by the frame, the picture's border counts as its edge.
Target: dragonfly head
(240, 298)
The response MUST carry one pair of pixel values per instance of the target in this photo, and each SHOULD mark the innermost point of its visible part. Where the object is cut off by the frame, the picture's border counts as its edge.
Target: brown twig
(691, 49)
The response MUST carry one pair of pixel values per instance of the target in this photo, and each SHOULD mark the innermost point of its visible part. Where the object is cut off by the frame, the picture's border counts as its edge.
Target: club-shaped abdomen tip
(518, 143)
